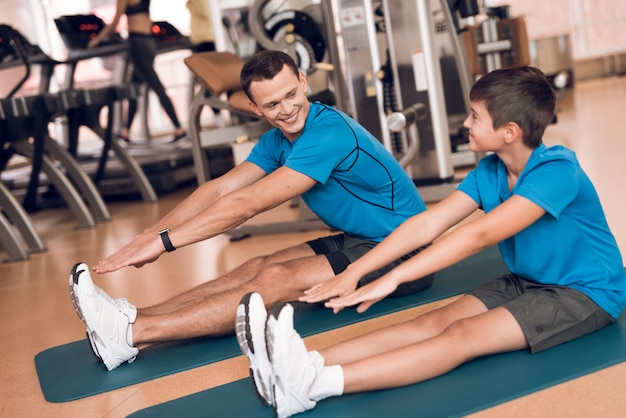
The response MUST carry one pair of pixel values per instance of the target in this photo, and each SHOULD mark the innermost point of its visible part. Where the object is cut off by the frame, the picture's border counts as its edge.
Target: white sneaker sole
(250, 331)
(99, 345)
(74, 275)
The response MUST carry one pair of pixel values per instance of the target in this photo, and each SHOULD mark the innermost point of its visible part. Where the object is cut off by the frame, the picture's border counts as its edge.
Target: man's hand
(365, 296)
(145, 248)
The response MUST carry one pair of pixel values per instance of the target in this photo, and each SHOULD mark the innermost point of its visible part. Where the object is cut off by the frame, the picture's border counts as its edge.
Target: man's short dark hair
(517, 94)
(265, 65)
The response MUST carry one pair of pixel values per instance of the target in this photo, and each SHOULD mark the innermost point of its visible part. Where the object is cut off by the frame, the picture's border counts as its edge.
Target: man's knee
(272, 276)
(256, 263)
(275, 283)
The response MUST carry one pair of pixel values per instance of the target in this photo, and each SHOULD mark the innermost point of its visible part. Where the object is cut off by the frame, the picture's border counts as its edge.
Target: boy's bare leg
(405, 333)
(214, 314)
(491, 332)
(231, 280)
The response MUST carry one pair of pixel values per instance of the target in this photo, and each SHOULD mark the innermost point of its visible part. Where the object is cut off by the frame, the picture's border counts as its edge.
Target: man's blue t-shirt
(361, 189)
(571, 245)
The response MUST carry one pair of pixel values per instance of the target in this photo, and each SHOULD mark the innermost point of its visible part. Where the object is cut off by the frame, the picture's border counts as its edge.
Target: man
(346, 177)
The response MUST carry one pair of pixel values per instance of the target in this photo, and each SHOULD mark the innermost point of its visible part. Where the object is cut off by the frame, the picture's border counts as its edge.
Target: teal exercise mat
(71, 371)
(472, 387)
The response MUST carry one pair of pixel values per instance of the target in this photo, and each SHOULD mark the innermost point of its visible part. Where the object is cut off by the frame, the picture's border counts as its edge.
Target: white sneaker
(250, 330)
(122, 304)
(294, 369)
(108, 320)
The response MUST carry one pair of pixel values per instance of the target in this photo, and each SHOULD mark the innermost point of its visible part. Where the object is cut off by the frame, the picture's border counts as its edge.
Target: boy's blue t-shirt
(571, 245)
(361, 188)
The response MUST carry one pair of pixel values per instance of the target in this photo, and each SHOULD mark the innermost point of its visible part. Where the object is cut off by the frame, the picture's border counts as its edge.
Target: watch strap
(167, 243)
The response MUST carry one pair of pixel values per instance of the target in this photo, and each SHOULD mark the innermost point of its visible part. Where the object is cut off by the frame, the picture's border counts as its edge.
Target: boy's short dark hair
(265, 65)
(517, 94)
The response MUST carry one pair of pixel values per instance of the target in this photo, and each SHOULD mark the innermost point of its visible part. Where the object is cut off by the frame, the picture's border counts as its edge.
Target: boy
(566, 279)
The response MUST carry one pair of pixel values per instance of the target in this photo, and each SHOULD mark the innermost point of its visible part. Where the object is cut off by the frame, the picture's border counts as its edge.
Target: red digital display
(89, 27)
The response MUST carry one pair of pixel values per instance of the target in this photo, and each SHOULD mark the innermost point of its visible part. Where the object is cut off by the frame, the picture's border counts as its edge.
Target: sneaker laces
(103, 295)
(126, 308)
(121, 304)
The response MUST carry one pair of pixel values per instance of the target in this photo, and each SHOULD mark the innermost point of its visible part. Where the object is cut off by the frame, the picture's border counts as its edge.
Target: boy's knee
(461, 332)
(456, 327)
(432, 321)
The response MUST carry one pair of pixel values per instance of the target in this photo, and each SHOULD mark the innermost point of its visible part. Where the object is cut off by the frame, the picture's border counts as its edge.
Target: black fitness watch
(166, 240)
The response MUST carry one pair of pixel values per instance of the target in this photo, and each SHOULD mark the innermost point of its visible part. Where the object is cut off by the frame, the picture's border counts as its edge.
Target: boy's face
(482, 136)
(282, 101)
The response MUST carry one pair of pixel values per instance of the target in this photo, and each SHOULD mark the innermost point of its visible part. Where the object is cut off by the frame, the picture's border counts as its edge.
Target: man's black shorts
(342, 249)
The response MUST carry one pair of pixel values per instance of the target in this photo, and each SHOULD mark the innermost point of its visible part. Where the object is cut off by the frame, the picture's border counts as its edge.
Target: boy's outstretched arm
(511, 217)
(415, 232)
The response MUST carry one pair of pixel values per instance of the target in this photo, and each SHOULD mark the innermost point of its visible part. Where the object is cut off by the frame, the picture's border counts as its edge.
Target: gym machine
(24, 130)
(77, 30)
(154, 167)
(498, 41)
(381, 57)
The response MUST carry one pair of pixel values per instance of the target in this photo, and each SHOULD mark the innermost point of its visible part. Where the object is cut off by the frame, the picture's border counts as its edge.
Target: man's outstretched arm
(211, 210)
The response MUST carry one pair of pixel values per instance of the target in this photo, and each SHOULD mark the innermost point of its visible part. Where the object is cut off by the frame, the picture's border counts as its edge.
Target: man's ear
(254, 108)
(303, 82)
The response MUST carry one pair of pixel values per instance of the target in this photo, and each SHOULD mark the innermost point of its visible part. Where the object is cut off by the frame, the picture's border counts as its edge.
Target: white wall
(596, 27)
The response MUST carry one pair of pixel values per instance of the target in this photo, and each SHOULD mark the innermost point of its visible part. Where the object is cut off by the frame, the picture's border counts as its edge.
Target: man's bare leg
(232, 280)
(213, 314)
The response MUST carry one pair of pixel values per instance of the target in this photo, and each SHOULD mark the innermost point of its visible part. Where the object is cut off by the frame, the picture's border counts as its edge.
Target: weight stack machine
(392, 54)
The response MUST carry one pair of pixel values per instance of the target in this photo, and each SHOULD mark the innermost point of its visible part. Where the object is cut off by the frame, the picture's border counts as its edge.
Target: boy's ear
(512, 131)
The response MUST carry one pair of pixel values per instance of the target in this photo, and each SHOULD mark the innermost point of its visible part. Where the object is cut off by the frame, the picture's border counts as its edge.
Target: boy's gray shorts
(548, 315)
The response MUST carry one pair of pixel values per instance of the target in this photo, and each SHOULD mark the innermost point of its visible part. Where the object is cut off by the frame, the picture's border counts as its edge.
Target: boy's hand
(365, 296)
(340, 285)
